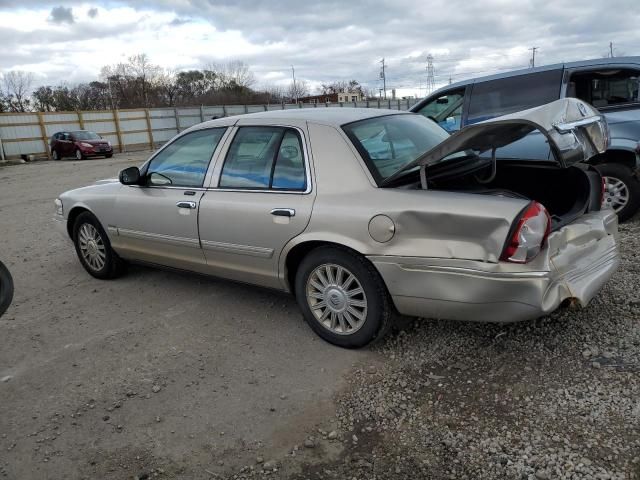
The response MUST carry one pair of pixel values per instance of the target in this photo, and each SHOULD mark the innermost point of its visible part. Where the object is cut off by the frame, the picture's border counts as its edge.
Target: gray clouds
(332, 40)
(61, 14)
(92, 12)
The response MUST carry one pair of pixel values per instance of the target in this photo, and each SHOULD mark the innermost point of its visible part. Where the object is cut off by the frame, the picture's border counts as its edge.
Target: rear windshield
(389, 143)
(84, 135)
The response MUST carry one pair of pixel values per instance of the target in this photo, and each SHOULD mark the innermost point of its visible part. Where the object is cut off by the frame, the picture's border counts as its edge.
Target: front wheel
(622, 190)
(6, 288)
(55, 155)
(94, 249)
(80, 155)
(343, 297)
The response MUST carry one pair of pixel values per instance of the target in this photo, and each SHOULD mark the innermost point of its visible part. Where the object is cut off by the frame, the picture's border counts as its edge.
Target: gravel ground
(211, 380)
(557, 398)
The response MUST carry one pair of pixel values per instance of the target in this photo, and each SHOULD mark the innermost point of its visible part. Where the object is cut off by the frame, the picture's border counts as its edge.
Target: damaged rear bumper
(578, 261)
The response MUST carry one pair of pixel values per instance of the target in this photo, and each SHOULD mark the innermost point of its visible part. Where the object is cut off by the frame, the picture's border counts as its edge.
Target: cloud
(326, 40)
(61, 14)
(92, 12)
(176, 22)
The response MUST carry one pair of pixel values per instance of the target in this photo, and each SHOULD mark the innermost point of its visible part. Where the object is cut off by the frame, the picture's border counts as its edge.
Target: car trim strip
(158, 237)
(250, 250)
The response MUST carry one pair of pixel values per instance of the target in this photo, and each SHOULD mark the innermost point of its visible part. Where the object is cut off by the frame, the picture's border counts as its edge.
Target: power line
(431, 81)
(533, 56)
(384, 78)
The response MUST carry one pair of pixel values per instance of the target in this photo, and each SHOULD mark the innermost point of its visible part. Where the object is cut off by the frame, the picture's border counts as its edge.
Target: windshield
(84, 135)
(389, 143)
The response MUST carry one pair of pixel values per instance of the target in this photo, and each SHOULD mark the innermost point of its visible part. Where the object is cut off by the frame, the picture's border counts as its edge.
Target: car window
(253, 151)
(85, 135)
(604, 88)
(445, 110)
(289, 173)
(184, 162)
(494, 98)
(390, 142)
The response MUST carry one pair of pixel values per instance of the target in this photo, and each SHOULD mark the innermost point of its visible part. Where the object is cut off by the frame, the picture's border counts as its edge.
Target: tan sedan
(362, 214)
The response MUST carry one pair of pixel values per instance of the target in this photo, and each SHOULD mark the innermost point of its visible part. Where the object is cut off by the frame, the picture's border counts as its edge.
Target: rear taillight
(531, 232)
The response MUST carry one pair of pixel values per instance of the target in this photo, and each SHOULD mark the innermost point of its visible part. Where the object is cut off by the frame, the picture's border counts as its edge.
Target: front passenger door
(157, 222)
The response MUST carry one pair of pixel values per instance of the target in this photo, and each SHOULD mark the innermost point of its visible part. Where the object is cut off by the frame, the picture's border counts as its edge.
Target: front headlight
(109, 143)
(86, 145)
(59, 209)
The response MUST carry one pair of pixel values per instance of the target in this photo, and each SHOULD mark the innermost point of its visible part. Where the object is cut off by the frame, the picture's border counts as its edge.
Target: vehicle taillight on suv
(530, 235)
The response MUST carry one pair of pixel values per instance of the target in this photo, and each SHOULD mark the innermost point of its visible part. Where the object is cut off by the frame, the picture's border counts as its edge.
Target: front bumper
(60, 224)
(577, 262)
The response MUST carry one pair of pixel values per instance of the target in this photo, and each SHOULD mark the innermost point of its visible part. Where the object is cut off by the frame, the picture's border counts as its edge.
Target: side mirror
(130, 176)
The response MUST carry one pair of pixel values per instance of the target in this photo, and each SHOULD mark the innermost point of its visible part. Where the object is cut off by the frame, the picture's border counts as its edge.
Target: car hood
(574, 130)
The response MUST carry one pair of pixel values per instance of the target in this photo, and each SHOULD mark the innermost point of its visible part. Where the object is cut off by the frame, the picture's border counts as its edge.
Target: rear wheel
(6, 289)
(622, 190)
(94, 249)
(343, 297)
(80, 155)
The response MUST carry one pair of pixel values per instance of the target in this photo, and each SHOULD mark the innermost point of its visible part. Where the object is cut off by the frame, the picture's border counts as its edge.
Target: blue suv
(609, 84)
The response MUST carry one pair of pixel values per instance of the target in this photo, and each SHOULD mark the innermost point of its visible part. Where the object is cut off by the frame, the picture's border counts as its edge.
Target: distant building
(341, 97)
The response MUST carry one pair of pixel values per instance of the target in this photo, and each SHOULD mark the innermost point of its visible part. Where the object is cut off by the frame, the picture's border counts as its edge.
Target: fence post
(246, 109)
(116, 120)
(175, 114)
(149, 132)
(201, 113)
(80, 119)
(265, 107)
(43, 132)
(224, 111)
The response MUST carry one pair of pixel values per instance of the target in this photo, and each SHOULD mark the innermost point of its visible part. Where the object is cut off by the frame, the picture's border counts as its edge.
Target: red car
(80, 144)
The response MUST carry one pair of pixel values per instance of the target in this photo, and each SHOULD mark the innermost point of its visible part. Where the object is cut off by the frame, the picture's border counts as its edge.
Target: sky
(324, 40)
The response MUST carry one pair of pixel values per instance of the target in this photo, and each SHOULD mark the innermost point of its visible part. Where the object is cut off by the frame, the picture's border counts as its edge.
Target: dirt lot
(168, 375)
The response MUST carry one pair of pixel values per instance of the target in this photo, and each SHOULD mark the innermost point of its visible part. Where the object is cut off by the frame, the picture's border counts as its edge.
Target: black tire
(112, 265)
(379, 310)
(55, 155)
(108, 155)
(80, 155)
(625, 175)
(6, 288)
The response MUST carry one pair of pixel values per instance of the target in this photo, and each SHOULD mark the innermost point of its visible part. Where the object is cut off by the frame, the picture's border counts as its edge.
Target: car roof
(615, 61)
(333, 116)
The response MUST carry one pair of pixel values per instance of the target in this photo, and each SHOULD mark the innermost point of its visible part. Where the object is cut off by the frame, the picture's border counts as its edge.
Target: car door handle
(186, 205)
(283, 212)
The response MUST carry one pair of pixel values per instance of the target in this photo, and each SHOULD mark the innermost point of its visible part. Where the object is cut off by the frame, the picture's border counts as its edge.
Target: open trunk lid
(575, 132)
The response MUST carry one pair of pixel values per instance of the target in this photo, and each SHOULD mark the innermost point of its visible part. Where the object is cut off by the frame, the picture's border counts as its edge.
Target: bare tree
(144, 72)
(167, 86)
(298, 89)
(233, 74)
(17, 87)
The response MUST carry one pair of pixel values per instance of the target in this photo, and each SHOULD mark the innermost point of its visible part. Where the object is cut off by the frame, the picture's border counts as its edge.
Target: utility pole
(533, 56)
(383, 76)
(295, 90)
(611, 49)
(431, 74)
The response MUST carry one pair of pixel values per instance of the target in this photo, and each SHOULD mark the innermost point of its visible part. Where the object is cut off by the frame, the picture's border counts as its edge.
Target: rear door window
(606, 87)
(445, 110)
(494, 98)
(265, 158)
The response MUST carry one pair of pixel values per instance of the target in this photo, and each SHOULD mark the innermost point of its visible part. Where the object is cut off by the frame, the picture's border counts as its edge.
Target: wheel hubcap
(616, 194)
(336, 299)
(91, 246)
(78, 155)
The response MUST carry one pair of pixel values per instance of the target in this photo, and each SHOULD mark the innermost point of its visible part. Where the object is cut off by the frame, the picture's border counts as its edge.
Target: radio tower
(431, 75)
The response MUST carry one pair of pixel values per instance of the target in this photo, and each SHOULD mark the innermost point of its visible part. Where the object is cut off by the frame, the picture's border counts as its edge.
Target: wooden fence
(24, 134)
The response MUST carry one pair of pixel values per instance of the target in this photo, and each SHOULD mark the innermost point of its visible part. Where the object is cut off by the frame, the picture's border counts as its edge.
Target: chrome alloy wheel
(336, 299)
(616, 194)
(91, 246)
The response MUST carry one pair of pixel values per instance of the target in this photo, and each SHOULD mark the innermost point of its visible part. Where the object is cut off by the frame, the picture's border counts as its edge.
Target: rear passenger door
(494, 98)
(261, 197)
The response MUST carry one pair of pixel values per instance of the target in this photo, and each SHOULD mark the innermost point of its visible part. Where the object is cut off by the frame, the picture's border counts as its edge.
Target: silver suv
(609, 84)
